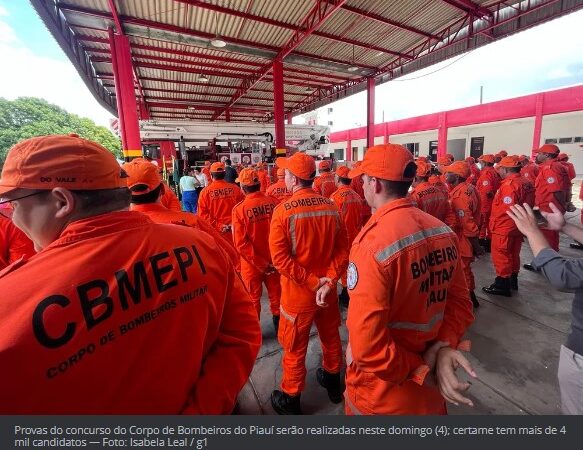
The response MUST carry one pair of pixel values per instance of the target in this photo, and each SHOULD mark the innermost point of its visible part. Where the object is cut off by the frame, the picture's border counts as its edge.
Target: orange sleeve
(204, 206)
(229, 361)
(457, 316)
(463, 207)
(244, 245)
(371, 344)
(169, 199)
(340, 254)
(450, 218)
(19, 245)
(280, 248)
(552, 180)
(508, 197)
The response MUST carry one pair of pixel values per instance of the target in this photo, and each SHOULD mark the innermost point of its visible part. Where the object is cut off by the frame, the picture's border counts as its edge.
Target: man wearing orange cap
(506, 238)
(278, 190)
(309, 248)
(474, 170)
(83, 337)
(487, 185)
(145, 185)
(529, 169)
(216, 201)
(356, 186)
(251, 221)
(263, 176)
(409, 302)
(466, 205)
(438, 177)
(350, 207)
(551, 186)
(563, 158)
(430, 198)
(325, 184)
(14, 244)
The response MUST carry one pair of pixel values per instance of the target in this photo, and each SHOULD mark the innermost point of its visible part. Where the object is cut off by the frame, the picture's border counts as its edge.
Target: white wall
(563, 126)
(423, 138)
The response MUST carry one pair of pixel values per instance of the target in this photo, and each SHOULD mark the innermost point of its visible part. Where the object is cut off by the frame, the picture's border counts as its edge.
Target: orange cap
(460, 168)
(301, 165)
(68, 161)
(444, 160)
(142, 171)
(342, 171)
(502, 153)
(280, 173)
(487, 158)
(217, 167)
(470, 160)
(248, 177)
(450, 157)
(522, 158)
(510, 161)
(423, 168)
(385, 161)
(549, 149)
(325, 165)
(563, 157)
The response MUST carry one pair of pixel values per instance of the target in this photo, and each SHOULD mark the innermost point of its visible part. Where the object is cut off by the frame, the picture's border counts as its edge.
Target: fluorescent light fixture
(203, 78)
(218, 42)
(308, 90)
(353, 68)
(191, 108)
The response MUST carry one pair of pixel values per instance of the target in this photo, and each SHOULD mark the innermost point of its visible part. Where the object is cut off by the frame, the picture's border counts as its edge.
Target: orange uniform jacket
(475, 174)
(278, 191)
(140, 318)
(570, 169)
(14, 244)
(349, 205)
(552, 177)
(251, 220)
(514, 190)
(487, 186)
(439, 183)
(263, 179)
(530, 171)
(160, 214)
(319, 253)
(466, 205)
(169, 199)
(325, 184)
(357, 186)
(407, 290)
(216, 202)
(431, 199)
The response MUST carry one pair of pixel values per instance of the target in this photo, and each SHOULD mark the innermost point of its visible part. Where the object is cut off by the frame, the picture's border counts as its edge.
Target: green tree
(27, 117)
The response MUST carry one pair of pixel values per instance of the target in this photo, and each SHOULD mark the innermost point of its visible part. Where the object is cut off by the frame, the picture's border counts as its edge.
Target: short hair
(150, 197)
(228, 162)
(218, 175)
(514, 169)
(102, 200)
(252, 189)
(305, 183)
(344, 181)
(487, 164)
(552, 155)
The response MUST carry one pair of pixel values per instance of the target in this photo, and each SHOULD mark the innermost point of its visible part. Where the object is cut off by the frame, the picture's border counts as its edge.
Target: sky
(545, 57)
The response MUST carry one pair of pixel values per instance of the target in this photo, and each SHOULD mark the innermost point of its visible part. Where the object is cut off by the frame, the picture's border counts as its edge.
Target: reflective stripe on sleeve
(426, 327)
(292, 224)
(410, 240)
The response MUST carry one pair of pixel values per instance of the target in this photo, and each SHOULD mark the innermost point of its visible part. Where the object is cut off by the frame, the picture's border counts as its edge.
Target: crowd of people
(120, 300)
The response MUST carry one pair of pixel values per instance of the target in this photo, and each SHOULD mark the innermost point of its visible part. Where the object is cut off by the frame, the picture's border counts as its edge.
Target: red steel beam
(204, 101)
(316, 17)
(203, 107)
(469, 7)
(210, 94)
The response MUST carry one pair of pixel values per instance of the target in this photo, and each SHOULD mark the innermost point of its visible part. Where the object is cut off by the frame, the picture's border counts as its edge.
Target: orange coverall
(431, 199)
(407, 290)
(307, 241)
(325, 184)
(263, 179)
(466, 205)
(530, 171)
(157, 323)
(437, 181)
(475, 174)
(14, 244)
(169, 200)
(487, 186)
(356, 186)
(278, 190)
(251, 221)
(552, 178)
(506, 239)
(216, 203)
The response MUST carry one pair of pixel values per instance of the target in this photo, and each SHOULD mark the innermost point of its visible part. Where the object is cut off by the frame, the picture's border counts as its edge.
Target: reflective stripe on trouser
(294, 335)
(506, 254)
(467, 268)
(254, 284)
(552, 238)
(485, 225)
(571, 381)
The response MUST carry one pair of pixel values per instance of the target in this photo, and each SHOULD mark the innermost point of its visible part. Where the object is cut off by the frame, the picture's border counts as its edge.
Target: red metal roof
(328, 47)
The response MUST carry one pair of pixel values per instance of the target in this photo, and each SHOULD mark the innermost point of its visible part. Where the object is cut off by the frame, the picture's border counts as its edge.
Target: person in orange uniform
(278, 190)
(465, 203)
(409, 302)
(430, 198)
(551, 185)
(356, 186)
(325, 184)
(157, 323)
(309, 269)
(506, 239)
(529, 169)
(216, 201)
(474, 170)
(350, 207)
(251, 221)
(169, 199)
(145, 185)
(487, 185)
(438, 177)
(207, 171)
(263, 176)
(564, 159)
(14, 244)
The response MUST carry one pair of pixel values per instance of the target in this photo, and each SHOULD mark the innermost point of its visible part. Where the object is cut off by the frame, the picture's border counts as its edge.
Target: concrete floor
(515, 349)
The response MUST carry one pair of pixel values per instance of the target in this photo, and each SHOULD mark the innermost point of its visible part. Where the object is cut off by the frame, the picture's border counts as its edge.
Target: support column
(348, 150)
(538, 122)
(278, 112)
(370, 87)
(125, 95)
(442, 135)
(228, 115)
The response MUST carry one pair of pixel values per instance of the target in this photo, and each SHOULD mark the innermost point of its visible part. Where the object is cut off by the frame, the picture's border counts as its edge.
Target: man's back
(325, 184)
(431, 199)
(140, 318)
(216, 203)
(487, 186)
(350, 207)
(552, 178)
(278, 190)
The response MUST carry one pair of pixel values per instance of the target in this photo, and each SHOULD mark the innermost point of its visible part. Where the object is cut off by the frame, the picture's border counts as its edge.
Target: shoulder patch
(485, 183)
(550, 180)
(351, 276)
(461, 213)
(507, 200)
